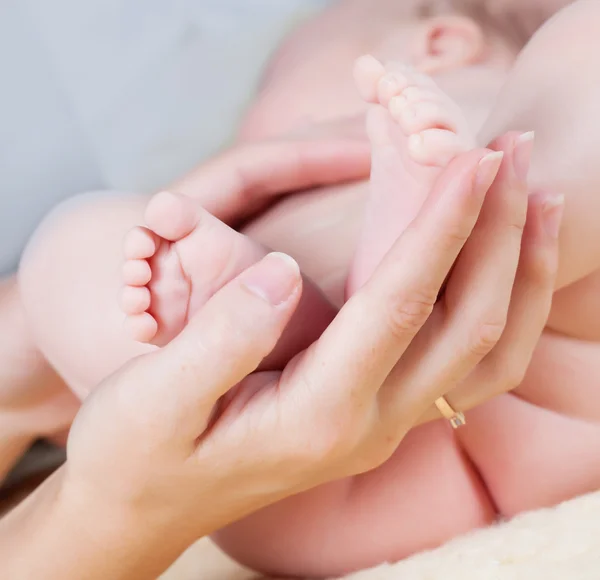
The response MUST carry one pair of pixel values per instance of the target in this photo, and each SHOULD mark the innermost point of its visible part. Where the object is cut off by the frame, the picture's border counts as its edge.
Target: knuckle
(507, 374)
(541, 270)
(517, 220)
(371, 459)
(381, 445)
(341, 432)
(333, 441)
(515, 375)
(486, 337)
(513, 208)
(334, 436)
(407, 313)
(458, 234)
(517, 227)
(382, 452)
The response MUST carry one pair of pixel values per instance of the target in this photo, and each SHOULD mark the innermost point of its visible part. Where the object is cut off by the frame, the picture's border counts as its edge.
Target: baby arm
(554, 89)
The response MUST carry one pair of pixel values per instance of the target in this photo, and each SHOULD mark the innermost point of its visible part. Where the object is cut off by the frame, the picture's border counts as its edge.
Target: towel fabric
(561, 543)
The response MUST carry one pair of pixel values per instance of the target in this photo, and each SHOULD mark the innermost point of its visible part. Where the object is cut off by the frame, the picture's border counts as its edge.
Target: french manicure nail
(522, 154)
(553, 210)
(487, 171)
(274, 279)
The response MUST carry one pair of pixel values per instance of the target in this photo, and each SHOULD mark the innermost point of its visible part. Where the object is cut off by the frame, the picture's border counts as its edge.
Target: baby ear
(448, 42)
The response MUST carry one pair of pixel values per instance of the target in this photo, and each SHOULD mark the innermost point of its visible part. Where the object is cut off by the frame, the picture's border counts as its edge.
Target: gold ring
(456, 418)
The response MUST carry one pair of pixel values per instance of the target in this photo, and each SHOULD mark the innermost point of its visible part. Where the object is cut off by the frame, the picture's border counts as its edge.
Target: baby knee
(64, 224)
(80, 235)
(74, 228)
(69, 279)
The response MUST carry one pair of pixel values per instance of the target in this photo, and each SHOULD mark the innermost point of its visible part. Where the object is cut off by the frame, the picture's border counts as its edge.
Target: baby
(521, 451)
(439, 483)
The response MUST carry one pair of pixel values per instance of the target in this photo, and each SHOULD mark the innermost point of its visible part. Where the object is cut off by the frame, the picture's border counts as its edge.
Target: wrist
(128, 541)
(62, 531)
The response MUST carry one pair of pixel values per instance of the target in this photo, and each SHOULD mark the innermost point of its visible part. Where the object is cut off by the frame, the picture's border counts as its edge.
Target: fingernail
(553, 210)
(487, 171)
(274, 279)
(522, 154)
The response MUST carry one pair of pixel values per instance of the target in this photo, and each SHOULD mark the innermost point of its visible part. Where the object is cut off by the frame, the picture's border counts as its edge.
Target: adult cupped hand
(233, 186)
(186, 439)
(246, 179)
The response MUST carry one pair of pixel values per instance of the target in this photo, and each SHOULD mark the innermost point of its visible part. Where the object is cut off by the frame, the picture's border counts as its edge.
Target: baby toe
(414, 117)
(367, 72)
(389, 86)
(136, 272)
(141, 327)
(172, 216)
(400, 78)
(435, 147)
(416, 94)
(135, 299)
(139, 244)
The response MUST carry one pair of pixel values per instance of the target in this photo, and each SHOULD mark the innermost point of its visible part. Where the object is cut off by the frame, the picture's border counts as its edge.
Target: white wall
(120, 93)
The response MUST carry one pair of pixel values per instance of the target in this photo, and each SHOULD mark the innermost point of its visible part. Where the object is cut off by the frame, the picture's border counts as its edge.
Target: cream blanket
(561, 543)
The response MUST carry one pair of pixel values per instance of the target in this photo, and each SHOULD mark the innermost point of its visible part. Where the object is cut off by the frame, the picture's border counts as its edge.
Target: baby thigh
(69, 278)
(554, 89)
(540, 447)
(425, 494)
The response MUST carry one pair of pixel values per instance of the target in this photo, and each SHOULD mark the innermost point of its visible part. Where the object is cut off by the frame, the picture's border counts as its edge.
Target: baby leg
(542, 446)
(427, 492)
(69, 281)
(182, 258)
(415, 130)
(72, 273)
(424, 495)
(554, 90)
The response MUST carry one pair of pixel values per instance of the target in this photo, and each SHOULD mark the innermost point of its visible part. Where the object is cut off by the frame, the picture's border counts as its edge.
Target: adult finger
(248, 177)
(472, 314)
(504, 368)
(481, 284)
(374, 328)
(223, 343)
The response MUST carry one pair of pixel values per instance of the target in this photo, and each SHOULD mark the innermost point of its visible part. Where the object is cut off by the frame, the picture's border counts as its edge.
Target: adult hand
(233, 185)
(510, 259)
(484, 264)
(179, 443)
(247, 178)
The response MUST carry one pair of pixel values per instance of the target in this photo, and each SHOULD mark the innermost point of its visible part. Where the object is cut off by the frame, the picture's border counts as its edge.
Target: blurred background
(127, 94)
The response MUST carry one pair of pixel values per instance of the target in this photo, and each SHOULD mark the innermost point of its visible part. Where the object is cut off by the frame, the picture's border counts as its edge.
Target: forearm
(54, 534)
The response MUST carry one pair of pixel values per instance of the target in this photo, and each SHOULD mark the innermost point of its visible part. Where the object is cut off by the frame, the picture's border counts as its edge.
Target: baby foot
(174, 265)
(415, 130)
(183, 256)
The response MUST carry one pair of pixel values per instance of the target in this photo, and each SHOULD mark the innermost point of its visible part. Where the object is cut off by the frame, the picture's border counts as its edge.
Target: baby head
(467, 47)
